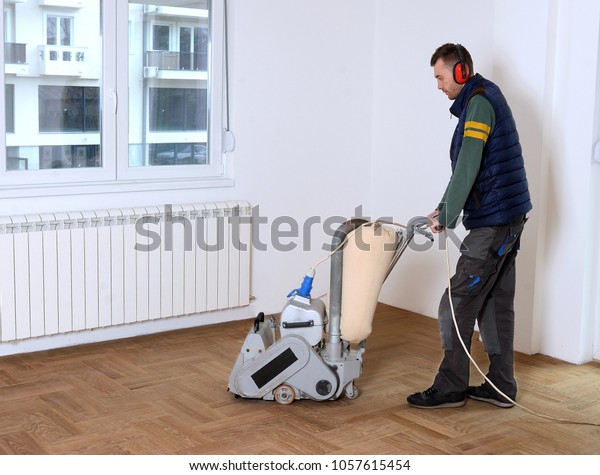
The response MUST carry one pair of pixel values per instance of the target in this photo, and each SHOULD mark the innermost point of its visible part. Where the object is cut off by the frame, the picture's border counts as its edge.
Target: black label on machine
(274, 367)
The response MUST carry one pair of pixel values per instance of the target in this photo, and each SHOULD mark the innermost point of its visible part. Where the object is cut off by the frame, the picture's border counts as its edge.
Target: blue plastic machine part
(305, 288)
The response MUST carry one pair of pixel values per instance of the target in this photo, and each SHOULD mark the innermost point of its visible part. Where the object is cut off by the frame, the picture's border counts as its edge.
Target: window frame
(59, 17)
(115, 174)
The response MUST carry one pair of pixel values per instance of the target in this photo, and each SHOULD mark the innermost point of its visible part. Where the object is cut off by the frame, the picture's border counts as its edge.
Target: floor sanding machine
(312, 353)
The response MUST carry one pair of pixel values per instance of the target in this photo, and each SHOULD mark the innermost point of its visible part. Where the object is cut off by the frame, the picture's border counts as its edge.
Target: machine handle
(309, 323)
(419, 225)
(258, 320)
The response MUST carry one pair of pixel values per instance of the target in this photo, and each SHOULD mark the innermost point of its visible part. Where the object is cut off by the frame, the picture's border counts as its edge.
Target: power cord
(544, 416)
(449, 276)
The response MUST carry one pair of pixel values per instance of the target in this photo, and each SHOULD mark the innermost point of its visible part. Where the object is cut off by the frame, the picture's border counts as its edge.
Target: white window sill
(73, 189)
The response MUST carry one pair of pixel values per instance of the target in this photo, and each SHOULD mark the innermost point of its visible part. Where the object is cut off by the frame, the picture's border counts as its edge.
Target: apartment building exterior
(55, 101)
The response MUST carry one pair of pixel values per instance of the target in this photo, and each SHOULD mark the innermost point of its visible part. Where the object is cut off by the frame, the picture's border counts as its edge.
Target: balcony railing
(15, 53)
(175, 61)
(63, 60)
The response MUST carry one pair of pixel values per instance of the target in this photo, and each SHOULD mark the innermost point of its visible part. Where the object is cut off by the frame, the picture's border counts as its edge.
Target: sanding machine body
(304, 355)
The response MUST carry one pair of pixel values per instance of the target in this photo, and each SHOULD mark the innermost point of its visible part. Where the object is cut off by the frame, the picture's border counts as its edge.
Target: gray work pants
(483, 289)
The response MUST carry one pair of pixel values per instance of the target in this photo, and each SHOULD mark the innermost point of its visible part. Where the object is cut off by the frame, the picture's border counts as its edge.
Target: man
(489, 185)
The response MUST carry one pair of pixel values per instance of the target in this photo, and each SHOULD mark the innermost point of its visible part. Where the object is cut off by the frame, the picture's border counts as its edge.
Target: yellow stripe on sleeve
(477, 130)
(478, 125)
(476, 135)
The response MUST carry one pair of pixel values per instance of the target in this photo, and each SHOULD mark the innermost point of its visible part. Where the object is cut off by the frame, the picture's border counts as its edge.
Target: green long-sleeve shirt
(479, 123)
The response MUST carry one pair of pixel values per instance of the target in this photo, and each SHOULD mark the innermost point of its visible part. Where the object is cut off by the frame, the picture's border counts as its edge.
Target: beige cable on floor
(544, 416)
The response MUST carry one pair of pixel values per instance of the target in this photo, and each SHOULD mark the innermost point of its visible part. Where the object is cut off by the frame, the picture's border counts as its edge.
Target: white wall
(301, 113)
(548, 53)
(521, 55)
(593, 289)
(568, 212)
(412, 127)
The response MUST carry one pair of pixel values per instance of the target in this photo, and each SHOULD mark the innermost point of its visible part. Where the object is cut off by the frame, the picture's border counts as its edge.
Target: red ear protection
(460, 71)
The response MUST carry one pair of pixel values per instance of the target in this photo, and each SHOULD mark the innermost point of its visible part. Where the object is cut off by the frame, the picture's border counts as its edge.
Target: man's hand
(435, 225)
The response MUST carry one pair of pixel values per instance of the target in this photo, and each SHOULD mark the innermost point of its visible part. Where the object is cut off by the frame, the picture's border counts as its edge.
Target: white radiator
(66, 272)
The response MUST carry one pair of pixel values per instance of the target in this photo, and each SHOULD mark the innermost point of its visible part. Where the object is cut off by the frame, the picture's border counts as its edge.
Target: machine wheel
(351, 391)
(284, 394)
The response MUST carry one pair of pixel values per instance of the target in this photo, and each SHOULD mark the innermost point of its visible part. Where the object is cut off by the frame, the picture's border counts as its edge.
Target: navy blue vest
(501, 192)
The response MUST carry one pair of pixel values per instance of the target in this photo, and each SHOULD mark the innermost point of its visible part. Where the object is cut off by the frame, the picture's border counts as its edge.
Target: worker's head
(452, 68)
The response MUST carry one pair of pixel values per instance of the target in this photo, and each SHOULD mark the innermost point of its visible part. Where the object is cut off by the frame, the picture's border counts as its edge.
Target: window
(68, 109)
(90, 110)
(177, 109)
(161, 35)
(193, 47)
(59, 30)
(9, 107)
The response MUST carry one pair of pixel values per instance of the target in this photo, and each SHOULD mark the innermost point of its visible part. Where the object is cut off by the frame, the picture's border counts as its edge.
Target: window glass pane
(185, 48)
(56, 86)
(168, 83)
(69, 156)
(201, 48)
(9, 107)
(177, 154)
(68, 109)
(51, 36)
(160, 37)
(177, 109)
(65, 31)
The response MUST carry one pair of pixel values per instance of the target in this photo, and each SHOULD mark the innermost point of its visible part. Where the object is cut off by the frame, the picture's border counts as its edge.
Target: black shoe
(432, 399)
(486, 394)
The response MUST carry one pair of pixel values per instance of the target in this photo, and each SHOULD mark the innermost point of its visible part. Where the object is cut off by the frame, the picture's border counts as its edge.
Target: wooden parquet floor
(166, 394)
